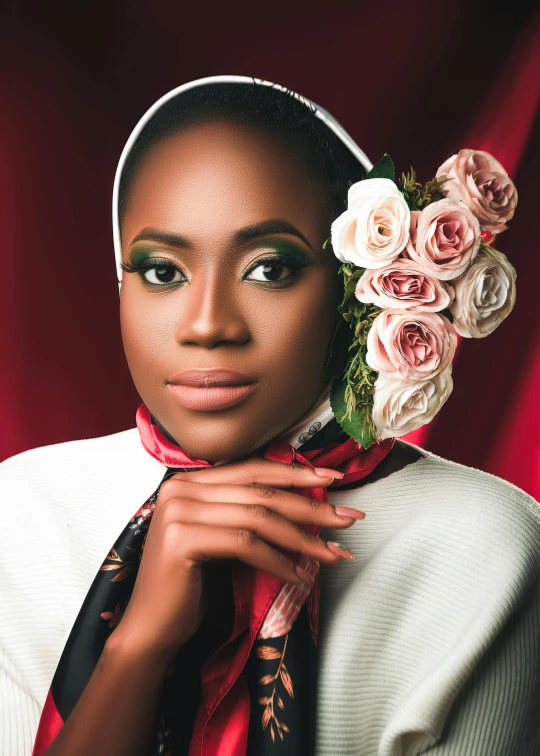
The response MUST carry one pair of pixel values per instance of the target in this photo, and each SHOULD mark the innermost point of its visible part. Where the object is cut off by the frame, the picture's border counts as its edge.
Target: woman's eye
(270, 271)
(163, 274)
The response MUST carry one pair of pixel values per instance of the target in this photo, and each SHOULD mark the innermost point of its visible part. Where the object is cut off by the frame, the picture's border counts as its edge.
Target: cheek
(295, 328)
(146, 329)
(290, 331)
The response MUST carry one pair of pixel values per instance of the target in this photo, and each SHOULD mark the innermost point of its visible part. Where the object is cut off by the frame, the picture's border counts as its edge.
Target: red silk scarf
(254, 690)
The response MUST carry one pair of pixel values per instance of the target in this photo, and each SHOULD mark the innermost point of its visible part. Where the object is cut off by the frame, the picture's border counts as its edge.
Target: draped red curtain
(418, 81)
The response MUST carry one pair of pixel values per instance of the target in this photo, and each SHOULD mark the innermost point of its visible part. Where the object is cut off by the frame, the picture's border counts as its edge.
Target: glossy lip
(211, 389)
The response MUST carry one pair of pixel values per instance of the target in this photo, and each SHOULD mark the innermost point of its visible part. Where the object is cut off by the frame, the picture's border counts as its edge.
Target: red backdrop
(416, 80)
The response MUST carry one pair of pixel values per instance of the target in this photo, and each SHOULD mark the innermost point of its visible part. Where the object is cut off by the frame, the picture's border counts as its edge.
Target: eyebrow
(247, 233)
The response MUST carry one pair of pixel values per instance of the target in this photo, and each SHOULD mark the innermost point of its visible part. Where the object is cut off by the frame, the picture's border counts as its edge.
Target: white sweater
(429, 640)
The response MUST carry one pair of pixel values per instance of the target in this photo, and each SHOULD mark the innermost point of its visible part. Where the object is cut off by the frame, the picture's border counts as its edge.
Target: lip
(211, 388)
(209, 377)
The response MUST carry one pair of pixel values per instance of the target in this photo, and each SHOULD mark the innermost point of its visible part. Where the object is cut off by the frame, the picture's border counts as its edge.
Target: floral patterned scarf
(245, 683)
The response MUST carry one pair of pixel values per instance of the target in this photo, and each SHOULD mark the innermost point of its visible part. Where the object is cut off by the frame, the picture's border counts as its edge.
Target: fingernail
(306, 577)
(325, 472)
(337, 548)
(349, 513)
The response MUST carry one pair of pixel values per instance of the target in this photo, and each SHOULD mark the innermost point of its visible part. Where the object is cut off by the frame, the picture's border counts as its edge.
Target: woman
(200, 631)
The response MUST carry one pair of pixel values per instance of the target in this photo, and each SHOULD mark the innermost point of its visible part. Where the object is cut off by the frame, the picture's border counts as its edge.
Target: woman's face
(226, 232)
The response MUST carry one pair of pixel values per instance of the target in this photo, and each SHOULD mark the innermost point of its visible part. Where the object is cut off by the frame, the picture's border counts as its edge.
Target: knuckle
(254, 468)
(245, 538)
(167, 488)
(314, 506)
(176, 509)
(180, 476)
(257, 511)
(265, 493)
(174, 538)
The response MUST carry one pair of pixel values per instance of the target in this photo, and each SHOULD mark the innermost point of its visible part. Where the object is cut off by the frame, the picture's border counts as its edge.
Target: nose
(211, 312)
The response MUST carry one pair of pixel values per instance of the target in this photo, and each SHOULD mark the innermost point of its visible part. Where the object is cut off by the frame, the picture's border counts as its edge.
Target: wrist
(126, 647)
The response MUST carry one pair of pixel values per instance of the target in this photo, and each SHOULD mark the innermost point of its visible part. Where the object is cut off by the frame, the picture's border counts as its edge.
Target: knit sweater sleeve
(19, 643)
(20, 711)
(497, 712)
(431, 644)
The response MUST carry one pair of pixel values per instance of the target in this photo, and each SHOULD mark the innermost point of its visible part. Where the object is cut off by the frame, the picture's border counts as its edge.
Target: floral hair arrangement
(419, 265)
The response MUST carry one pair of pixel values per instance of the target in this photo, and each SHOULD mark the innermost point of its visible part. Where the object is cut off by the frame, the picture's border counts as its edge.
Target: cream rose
(410, 346)
(375, 227)
(481, 182)
(445, 237)
(403, 284)
(485, 295)
(400, 408)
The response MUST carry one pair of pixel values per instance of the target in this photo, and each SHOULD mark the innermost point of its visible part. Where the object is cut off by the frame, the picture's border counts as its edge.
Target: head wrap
(317, 111)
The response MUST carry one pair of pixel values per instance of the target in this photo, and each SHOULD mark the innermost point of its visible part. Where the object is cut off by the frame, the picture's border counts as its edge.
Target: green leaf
(383, 169)
(352, 427)
(350, 286)
(339, 350)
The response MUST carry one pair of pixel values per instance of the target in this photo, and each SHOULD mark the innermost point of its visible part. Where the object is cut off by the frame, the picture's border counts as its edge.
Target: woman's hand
(240, 511)
(243, 510)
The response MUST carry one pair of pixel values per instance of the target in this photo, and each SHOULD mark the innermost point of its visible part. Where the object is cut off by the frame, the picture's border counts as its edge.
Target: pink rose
(404, 285)
(445, 236)
(481, 182)
(410, 346)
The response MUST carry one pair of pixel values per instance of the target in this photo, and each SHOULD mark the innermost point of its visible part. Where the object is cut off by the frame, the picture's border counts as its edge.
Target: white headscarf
(319, 112)
(320, 412)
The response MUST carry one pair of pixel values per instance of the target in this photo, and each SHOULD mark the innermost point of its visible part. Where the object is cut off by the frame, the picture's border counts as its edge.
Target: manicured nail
(339, 550)
(306, 577)
(349, 514)
(325, 472)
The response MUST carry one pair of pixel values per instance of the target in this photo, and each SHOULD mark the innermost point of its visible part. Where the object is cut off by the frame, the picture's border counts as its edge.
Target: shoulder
(92, 462)
(446, 523)
(477, 496)
(81, 453)
(60, 480)
(436, 485)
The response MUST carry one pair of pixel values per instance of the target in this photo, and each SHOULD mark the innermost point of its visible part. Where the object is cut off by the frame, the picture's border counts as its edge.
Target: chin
(228, 449)
(226, 435)
(213, 437)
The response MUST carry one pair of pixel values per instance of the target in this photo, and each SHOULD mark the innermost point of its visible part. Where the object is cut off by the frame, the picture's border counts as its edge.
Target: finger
(264, 472)
(264, 522)
(293, 506)
(202, 543)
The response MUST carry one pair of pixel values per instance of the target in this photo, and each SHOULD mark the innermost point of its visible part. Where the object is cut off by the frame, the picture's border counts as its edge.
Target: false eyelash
(129, 267)
(284, 260)
(149, 262)
(287, 262)
(153, 262)
(294, 266)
